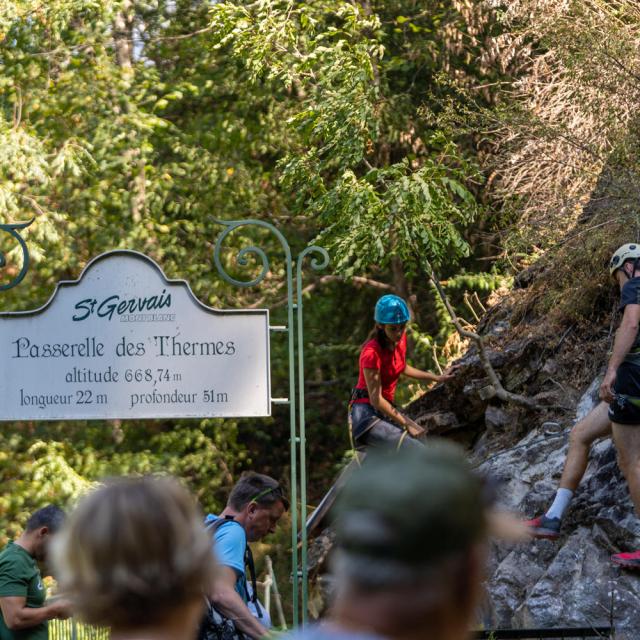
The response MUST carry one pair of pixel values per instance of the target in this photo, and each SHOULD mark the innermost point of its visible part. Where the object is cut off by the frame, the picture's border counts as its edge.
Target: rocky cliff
(568, 582)
(542, 583)
(556, 360)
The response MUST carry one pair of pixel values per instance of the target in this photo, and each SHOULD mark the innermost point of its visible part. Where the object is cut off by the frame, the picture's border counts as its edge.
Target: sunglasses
(277, 492)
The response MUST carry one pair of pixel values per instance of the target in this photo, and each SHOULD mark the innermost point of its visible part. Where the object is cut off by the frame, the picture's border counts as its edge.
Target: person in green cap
(23, 612)
(409, 556)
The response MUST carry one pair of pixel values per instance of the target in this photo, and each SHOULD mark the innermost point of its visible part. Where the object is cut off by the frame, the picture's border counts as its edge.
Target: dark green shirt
(20, 577)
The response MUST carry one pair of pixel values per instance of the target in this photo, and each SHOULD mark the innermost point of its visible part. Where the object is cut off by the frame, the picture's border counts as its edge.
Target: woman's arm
(419, 374)
(380, 403)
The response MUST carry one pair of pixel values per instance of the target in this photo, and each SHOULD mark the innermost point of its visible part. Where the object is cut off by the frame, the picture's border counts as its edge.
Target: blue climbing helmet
(391, 309)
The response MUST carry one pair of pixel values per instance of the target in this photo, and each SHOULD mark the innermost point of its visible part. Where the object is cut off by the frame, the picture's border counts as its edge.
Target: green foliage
(370, 207)
(57, 463)
(139, 124)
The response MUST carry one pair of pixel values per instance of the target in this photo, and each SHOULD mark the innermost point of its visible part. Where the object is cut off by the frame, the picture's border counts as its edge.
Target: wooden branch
(497, 389)
(476, 297)
(467, 301)
(434, 352)
(357, 280)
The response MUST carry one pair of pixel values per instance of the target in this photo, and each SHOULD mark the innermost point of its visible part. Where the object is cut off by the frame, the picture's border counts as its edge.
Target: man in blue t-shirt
(621, 384)
(255, 505)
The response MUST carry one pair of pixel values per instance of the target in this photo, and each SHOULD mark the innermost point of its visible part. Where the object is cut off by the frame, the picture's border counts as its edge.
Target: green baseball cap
(410, 510)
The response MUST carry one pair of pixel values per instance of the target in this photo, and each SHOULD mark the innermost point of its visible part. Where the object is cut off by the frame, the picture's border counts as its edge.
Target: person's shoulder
(329, 632)
(7, 551)
(16, 562)
(15, 554)
(371, 345)
(633, 284)
(230, 532)
(630, 293)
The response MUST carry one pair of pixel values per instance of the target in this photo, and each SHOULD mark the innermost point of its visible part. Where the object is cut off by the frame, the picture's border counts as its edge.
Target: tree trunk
(123, 35)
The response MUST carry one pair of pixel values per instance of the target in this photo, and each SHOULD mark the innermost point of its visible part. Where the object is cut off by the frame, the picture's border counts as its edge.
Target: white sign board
(125, 342)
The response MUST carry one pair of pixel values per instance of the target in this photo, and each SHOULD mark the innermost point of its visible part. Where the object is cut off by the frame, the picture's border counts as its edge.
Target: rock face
(568, 582)
(541, 583)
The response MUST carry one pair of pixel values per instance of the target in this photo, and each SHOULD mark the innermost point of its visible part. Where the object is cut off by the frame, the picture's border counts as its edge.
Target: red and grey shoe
(627, 560)
(543, 527)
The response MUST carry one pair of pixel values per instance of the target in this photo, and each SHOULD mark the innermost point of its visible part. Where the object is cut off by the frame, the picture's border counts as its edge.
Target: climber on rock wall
(594, 425)
(374, 420)
(621, 384)
(619, 412)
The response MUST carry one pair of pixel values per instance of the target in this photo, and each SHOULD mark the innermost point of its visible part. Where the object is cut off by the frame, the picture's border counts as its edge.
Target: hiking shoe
(627, 560)
(543, 527)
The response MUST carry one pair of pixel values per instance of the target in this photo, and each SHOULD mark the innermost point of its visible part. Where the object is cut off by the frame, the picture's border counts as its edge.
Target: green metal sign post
(319, 259)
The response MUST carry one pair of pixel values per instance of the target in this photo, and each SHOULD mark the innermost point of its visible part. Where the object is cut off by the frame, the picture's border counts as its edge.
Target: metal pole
(317, 265)
(293, 444)
(303, 455)
(241, 259)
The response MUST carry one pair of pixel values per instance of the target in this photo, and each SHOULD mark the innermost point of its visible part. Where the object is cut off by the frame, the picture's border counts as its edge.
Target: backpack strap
(248, 561)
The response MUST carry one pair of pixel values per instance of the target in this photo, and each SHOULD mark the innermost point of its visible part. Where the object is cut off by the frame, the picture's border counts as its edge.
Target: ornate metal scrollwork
(12, 229)
(246, 252)
(318, 263)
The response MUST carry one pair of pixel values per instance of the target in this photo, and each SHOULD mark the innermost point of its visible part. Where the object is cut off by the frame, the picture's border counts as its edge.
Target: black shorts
(625, 408)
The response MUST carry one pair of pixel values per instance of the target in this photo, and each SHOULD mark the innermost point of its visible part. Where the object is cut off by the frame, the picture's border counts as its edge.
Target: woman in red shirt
(383, 358)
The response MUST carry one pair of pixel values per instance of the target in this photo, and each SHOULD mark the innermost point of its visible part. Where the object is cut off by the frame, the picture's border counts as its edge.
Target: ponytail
(378, 334)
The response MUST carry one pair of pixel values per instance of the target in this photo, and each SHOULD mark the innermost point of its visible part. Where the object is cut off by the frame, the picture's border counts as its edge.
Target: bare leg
(627, 439)
(594, 425)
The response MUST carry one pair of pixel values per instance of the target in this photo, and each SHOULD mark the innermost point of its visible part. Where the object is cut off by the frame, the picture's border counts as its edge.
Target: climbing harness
(405, 433)
(622, 399)
(359, 394)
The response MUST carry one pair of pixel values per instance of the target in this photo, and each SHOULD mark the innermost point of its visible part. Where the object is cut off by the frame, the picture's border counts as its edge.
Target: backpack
(214, 625)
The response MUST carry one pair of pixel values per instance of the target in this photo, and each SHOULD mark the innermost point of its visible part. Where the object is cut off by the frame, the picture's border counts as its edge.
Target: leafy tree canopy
(140, 123)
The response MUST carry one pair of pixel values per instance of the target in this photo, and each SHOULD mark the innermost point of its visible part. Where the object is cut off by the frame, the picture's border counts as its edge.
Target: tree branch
(357, 280)
(498, 390)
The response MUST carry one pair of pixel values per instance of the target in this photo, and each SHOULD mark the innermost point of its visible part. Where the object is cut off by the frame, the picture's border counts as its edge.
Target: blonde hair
(134, 550)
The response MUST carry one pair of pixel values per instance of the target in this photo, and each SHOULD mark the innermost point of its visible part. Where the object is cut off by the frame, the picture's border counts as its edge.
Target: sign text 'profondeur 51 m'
(125, 342)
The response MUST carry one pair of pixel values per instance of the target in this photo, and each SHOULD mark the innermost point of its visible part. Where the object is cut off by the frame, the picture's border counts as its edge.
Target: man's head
(625, 262)
(40, 527)
(411, 529)
(260, 502)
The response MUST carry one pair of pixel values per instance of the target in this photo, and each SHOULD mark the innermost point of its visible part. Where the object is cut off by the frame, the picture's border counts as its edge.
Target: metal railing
(71, 629)
(538, 634)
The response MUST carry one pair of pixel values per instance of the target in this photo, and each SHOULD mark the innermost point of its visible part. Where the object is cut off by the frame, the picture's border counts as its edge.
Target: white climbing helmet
(624, 253)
